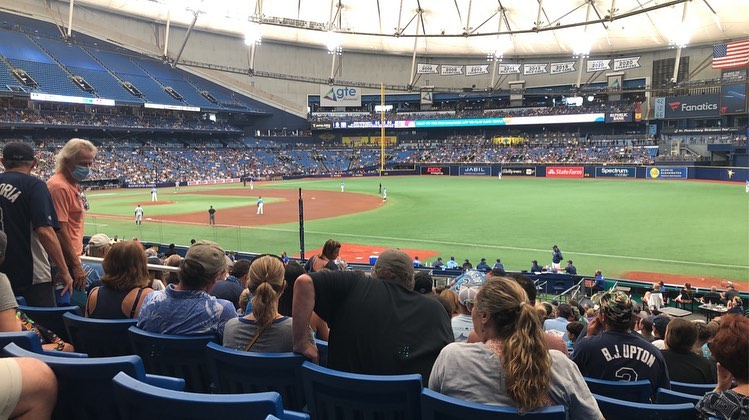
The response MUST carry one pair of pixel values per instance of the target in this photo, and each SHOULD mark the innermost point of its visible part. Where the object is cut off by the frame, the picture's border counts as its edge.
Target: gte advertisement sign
(693, 106)
(435, 170)
(475, 170)
(565, 171)
(518, 171)
(339, 96)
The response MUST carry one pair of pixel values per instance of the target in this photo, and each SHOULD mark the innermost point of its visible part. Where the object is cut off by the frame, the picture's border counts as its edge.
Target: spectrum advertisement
(615, 172)
(666, 172)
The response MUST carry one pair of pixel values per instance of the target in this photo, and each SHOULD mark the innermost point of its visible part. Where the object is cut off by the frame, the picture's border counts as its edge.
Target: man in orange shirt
(72, 165)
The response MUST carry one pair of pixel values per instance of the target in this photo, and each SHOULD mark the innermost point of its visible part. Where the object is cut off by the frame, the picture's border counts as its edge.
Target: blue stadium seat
(667, 396)
(332, 394)
(694, 389)
(174, 355)
(99, 337)
(28, 340)
(237, 372)
(141, 401)
(322, 352)
(435, 406)
(21, 300)
(85, 384)
(50, 318)
(636, 391)
(613, 409)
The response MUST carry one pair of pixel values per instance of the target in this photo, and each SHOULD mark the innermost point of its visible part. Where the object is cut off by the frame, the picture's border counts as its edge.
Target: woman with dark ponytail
(264, 329)
(512, 365)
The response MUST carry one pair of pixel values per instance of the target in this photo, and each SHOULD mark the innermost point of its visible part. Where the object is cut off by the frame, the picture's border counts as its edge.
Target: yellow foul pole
(382, 127)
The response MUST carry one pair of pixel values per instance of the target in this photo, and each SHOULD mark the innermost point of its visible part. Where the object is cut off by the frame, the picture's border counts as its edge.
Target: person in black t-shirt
(378, 325)
(683, 364)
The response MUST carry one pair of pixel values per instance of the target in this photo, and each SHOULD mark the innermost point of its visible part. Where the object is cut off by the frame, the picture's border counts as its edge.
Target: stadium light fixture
(253, 34)
(333, 42)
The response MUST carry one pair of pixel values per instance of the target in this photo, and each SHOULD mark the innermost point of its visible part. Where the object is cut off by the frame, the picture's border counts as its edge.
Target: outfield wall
(734, 174)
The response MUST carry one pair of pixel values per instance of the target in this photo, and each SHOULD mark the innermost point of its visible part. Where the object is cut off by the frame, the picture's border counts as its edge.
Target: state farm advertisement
(565, 172)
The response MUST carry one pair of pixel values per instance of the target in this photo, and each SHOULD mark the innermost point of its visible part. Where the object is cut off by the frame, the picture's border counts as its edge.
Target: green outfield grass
(677, 227)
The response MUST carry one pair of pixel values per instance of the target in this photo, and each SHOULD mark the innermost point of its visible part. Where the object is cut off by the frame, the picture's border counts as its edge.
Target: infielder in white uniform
(138, 215)
(154, 196)
(260, 205)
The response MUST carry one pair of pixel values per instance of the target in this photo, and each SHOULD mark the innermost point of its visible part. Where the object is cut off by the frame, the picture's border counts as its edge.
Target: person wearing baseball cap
(382, 326)
(612, 352)
(535, 268)
(187, 308)
(30, 222)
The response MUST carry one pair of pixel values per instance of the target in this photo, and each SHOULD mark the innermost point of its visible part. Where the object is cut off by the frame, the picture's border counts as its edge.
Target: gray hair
(70, 151)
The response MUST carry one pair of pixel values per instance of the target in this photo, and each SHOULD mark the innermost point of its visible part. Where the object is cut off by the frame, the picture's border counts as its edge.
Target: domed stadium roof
(460, 27)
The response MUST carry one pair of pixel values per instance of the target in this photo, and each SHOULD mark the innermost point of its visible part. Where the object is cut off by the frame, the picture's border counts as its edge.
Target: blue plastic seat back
(99, 337)
(336, 395)
(50, 318)
(694, 389)
(667, 396)
(614, 409)
(322, 352)
(138, 400)
(84, 384)
(238, 372)
(174, 355)
(435, 406)
(26, 340)
(636, 391)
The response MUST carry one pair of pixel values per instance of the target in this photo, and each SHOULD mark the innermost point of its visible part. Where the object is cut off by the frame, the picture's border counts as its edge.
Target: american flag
(731, 55)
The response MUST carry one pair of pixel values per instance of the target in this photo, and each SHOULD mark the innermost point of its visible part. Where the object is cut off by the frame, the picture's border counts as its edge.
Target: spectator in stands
(608, 334)
(423, 283)
(125, 284)
(264, 329)
(556, 258)
(467, 265)
(732, 354)
(498, 265)
(28, 388)
(570, 269)
(170, 251)
(660, 323)
(439, 264)
(683, 364)
(645, 324)
(462, 324)
(558, 325)
(511, 365)
(735, 306)
(730, 293)
(72, 165)
(686, 295)
(535, 268)
(483, 266)
(451, 297)
(326, 258)
(30, 224)
(405, 330)
(452, 264)
(232, 287)
(417, 263)
(574, 334)
(599, 282)
(712, 296)
(98, 246)
(172, 277)
(187, 308)
(292, 272)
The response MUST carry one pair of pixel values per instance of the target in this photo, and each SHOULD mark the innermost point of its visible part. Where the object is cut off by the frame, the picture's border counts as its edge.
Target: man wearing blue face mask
(72, 165)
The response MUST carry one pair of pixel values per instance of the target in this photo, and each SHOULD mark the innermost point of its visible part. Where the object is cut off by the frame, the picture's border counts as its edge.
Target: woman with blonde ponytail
(264, 329)
(511, 365)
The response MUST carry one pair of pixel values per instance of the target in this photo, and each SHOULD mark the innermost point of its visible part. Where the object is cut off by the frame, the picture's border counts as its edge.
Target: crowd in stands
(93, 120)
(441, 113)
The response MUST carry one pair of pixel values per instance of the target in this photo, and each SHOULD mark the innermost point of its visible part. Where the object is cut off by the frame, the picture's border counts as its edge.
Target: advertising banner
(615, 117)
(666, 172)
(693, 106)
(565, 171)
(435, 170)
(322, 126)
(733, 99)
(475, 170)
(214, 181)
(518, 171)
(615, 172)
(426, 98)
(338, 96)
